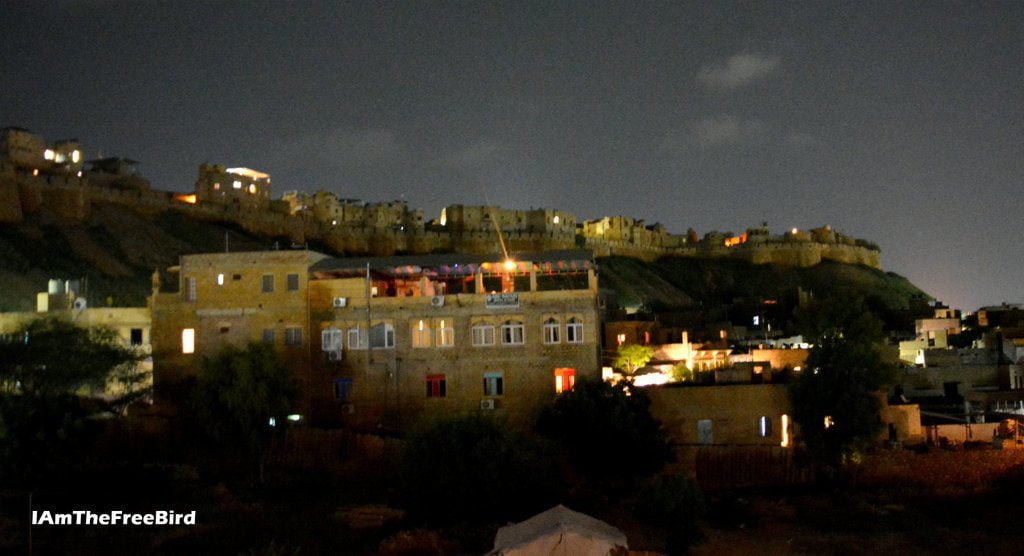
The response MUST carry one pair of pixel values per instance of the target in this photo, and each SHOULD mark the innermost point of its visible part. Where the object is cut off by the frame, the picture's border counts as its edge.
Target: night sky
(898, 122)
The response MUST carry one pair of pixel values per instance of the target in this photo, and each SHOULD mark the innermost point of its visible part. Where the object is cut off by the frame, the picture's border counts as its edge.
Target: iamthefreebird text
(114, 517)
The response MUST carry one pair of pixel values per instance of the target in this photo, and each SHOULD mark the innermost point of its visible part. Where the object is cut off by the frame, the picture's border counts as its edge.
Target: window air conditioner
(340, 302)
(487, 404)
(437, 301)
(334, 355)
(348, 409)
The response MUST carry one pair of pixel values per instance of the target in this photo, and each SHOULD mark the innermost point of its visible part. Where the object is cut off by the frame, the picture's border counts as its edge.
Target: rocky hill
(116, 249)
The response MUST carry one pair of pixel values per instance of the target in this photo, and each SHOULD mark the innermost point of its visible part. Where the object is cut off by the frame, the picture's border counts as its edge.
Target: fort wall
(389, 228)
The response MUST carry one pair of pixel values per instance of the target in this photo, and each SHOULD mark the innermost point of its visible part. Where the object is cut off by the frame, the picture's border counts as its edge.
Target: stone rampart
(70, 197)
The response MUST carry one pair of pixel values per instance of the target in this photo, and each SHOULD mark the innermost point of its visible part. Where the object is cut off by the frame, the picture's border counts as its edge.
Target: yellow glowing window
(236, 184)
(188, 340)
(445, 334)
(216, 186)
(420, 335)
(555, 219)
(785, 431)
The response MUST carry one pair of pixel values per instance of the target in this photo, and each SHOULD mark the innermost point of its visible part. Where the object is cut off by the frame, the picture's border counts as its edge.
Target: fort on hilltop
(36, 176)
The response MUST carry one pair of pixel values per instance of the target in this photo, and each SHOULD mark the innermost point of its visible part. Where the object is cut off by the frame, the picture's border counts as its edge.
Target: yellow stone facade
(495, 336)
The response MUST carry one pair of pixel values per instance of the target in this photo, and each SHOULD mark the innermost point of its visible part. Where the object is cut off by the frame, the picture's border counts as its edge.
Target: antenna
(225, 241)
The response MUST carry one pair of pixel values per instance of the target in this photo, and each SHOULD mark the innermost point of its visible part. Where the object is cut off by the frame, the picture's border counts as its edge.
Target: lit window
(785, 431)
(268, 336)
(75, 156)
(764, 426)
(382, 336)
(445, 334)
(483, 335)
(48, 154)
(494, 384)
(512, 333)
(621, 339)
(293, 282)
(293, 336)
(357, 338)
(220, 279)
(551, 330)
(342, 389)
(252, 188)
(188, 340)
(237, 184)
(190, 288)
(574, 331)
(268, 283)
(436, 386)
(216, 186)
(555, 219)
(705, 434)
(420, 335)
(565, 380)
(829, 422)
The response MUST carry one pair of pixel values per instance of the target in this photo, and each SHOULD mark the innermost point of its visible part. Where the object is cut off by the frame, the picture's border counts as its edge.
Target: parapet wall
(70, 198)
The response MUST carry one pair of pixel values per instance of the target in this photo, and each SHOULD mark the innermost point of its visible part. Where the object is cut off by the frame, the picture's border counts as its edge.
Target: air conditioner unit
(334, 355)
(488, 404)
(80, 303)
(340, 302)
(437, 301)
(348, 409)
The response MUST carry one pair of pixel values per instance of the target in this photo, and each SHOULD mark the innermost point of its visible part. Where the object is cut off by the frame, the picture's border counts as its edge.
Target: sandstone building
(379, 344)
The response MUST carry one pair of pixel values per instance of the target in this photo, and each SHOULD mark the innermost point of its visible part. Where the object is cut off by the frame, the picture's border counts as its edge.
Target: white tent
(559, 531)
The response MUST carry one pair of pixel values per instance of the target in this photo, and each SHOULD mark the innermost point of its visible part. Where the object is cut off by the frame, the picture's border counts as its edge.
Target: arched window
(574, 331)
(512, 333)
(551, 331)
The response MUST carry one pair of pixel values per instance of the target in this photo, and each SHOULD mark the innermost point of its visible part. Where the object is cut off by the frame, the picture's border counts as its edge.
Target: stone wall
(70, 198)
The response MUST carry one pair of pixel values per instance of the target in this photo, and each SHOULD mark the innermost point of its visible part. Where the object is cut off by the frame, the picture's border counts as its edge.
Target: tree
(51, 357)
(836, 398)
(474, 467)
(607, 431)
(632, 356)
(238, 391)
(45, 428)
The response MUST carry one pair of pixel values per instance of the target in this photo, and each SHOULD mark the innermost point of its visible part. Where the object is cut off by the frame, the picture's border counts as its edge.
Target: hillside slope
(117, 249)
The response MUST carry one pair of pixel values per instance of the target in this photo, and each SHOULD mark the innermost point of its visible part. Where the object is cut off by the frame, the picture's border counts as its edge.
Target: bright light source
(236, 184)
(48, 154)
(75, 156)
(220, 279)
(829, 422)
(252, 188)
(510, 265)
(555, 219)
(785, 431)
(295, 417)
(188, 340)
(272, 422)
(35, 172)
(79, 173)
(793, 231)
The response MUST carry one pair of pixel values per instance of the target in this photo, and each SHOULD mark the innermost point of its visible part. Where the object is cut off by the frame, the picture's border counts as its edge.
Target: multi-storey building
(380, 344)
(243, 186)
